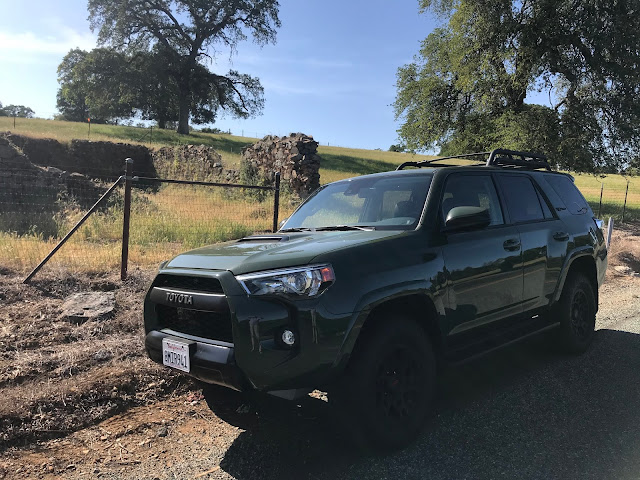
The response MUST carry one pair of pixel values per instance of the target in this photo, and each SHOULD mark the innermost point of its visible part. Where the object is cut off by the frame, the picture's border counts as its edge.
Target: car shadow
(522, 412)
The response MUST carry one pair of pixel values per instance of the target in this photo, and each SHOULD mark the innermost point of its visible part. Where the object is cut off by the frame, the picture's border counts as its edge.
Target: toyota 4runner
(376, 279)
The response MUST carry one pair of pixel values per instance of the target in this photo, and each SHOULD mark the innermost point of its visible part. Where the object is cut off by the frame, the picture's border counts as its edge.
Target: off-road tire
(386, 394)
(576, 311)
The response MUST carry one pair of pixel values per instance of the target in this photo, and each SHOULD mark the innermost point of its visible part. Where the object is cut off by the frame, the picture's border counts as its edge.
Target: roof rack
(499, 157)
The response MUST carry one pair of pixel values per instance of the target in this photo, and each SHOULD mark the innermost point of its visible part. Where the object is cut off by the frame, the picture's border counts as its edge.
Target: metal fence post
(126, 218)
(624, 207)
(600, 205)
(276, 203)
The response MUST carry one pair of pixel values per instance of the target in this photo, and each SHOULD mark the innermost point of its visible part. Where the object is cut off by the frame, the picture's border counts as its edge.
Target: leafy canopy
(16, 111)
(466, 89)
(184, 33)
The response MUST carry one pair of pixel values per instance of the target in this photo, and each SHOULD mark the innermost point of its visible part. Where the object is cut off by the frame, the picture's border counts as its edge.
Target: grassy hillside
(337, 162)
(178, 217)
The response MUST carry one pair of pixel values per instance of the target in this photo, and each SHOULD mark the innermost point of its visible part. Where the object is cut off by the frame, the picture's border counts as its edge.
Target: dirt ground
(70, 410)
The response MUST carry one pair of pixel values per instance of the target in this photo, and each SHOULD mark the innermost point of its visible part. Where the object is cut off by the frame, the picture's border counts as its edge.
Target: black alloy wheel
(399, 389)
(577, 314)
(385, 396)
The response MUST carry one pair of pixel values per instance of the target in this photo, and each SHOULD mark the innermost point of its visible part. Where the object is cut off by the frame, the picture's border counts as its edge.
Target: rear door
(483, 266)
(543, 236)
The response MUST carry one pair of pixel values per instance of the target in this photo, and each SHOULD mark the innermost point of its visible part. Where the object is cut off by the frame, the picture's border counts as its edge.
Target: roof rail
(499, 157)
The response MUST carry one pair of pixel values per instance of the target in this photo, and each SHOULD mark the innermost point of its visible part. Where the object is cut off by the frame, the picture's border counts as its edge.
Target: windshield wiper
(298, 229)
(345, 228)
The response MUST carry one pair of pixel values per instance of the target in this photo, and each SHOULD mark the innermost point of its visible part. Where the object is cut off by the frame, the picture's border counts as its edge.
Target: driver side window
(471, 191)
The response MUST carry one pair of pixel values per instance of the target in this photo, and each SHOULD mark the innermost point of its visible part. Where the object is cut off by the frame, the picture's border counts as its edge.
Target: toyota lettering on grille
(179, 298)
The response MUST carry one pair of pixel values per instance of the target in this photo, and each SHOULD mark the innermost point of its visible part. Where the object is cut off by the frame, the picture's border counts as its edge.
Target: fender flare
(378, 298)
(585, 251)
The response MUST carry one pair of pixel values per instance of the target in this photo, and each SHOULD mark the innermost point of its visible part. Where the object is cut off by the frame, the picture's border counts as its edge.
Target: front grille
(210, 325)
(196, 284)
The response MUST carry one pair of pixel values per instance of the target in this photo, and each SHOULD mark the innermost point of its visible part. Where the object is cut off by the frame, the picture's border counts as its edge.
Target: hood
(268, 252)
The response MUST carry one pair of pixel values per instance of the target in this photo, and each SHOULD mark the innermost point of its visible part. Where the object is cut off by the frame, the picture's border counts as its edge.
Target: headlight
(302, 281)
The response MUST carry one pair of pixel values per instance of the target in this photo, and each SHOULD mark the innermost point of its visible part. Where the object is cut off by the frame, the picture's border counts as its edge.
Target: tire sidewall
(359, 392)
(577, 284)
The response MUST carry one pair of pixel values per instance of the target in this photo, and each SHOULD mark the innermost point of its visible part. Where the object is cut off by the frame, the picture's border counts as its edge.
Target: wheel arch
(583, 264)
(419, 307)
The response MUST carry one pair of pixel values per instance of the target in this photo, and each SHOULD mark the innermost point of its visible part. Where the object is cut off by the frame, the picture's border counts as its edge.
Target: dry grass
(163, 224)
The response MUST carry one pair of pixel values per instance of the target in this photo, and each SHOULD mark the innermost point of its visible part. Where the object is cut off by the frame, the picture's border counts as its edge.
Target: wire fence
(39, 206)
(619, 200)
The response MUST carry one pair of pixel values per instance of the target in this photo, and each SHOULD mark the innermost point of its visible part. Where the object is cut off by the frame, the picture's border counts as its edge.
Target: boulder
(81, 307)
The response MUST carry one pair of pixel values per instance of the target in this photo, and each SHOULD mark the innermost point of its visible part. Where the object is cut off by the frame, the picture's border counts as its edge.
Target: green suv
(375, 280)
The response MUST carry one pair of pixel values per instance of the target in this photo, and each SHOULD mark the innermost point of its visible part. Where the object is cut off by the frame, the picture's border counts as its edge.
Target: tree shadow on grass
(522, 412)
(348, 163)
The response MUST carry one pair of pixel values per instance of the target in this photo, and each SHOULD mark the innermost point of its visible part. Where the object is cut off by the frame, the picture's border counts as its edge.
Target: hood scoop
(264, 238)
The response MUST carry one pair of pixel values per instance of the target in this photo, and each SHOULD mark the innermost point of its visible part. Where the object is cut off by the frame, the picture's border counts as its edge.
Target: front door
(483, 267)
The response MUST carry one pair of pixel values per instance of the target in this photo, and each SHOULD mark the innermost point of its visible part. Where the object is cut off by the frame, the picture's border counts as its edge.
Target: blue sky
(331, 73)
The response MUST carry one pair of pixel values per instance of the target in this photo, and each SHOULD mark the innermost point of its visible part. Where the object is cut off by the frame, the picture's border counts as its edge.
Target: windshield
(379, 202)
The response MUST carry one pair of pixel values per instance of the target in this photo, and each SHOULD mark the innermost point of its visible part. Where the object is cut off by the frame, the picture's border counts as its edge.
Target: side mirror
(467, 218)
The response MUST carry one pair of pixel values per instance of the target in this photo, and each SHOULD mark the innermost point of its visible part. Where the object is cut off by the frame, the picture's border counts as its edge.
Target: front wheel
(387, 390)
(577, 312)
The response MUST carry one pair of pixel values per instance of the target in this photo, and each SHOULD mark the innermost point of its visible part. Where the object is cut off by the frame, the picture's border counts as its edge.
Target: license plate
(175, 355)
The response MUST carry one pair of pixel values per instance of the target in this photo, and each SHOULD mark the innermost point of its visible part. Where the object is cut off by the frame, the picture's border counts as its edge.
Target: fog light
(288, 338)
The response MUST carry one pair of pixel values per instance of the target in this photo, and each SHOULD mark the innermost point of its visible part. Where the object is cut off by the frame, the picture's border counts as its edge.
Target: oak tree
(185, 33)
(467, 90)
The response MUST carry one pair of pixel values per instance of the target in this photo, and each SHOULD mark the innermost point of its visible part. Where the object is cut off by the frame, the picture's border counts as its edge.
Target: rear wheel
(577, 312)
(387, 390)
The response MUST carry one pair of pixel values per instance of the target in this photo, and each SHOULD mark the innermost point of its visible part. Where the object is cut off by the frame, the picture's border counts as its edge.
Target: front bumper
(210, 363)
(253, 358)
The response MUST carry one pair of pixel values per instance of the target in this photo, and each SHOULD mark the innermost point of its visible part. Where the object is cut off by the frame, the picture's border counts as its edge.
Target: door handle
(512, 244)
(561, 236)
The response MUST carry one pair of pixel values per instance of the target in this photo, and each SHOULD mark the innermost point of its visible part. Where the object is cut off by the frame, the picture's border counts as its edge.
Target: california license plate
(175, 355)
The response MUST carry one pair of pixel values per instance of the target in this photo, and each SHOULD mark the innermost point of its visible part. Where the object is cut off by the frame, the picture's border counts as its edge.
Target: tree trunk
(183, 106)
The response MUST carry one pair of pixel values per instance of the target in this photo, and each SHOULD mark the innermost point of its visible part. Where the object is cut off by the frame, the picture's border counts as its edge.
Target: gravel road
(522, 412)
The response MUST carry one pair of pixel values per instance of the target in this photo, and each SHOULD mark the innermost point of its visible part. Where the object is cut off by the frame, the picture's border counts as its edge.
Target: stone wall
(295, 157)
(101, 159)
(192, 162)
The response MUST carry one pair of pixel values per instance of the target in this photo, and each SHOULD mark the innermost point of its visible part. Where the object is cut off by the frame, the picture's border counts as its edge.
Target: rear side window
(522, 198)
(567, 191)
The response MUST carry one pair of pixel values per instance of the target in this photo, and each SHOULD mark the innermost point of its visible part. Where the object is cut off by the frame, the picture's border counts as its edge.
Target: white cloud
(28, 47)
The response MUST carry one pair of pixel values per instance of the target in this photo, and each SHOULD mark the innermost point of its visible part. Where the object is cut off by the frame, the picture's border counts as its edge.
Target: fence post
(276, 203)
(609, 231)
(151, 135)
(624, 207)
(126, 218)
(600, 206)
(73, 230)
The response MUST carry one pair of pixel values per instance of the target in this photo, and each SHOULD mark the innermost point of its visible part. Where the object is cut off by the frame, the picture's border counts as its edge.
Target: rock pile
(295, 157)
(188, 162)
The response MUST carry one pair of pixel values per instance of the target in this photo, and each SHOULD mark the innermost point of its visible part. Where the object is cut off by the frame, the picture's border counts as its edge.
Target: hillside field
(178, 217)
